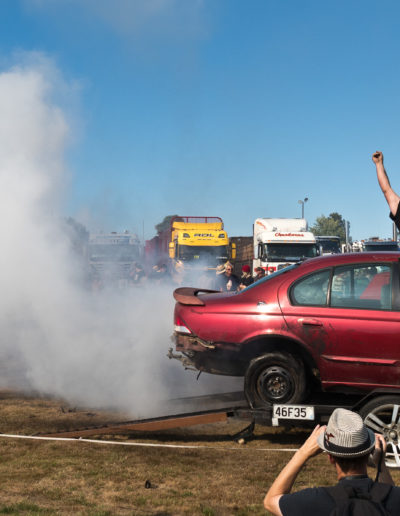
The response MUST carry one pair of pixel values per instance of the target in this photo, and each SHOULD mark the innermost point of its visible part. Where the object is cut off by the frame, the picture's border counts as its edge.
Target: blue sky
(226, 108)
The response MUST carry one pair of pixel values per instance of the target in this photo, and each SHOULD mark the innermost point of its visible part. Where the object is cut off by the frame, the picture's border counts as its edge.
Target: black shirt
(318, 502)
(396, 218)
(227, 283)
(246, 280)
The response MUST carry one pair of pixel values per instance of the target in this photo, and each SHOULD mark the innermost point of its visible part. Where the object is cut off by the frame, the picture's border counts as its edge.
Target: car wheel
(382, 415)
(274, 378)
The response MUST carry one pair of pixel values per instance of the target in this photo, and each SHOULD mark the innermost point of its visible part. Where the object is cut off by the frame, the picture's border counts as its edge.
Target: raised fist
(377, 157)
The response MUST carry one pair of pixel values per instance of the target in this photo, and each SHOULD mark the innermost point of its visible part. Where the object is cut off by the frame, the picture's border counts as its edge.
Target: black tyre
(382, 415)
(274, 378)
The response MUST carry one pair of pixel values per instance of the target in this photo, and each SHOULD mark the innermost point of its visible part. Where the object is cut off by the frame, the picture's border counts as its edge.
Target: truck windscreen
(208, 254)
(330, 246)
(288, 252)
(381, 246)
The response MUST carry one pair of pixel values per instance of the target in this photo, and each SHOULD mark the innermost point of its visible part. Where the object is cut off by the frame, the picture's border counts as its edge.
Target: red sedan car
(330, 323)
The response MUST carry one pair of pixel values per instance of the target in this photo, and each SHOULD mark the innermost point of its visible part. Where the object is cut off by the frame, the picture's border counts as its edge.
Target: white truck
(281, 242)
(378, 244)
(112, 255)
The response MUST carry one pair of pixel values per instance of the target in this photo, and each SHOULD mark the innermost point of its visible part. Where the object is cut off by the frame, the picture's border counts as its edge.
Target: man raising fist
(391, 196)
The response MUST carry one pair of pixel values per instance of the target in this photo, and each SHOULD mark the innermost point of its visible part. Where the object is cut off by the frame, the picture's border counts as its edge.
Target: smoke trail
(106, 348)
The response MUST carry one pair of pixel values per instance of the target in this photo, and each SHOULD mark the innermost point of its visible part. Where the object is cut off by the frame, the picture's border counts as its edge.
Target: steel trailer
(380, 410)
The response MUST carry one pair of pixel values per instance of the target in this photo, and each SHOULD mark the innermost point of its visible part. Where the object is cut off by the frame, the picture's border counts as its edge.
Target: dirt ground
(193, 471)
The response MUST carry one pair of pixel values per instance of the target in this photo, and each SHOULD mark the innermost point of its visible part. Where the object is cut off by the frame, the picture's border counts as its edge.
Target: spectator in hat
(260, 273)
(226, 280)
(391, 196)
(246, 278)
(348, 443)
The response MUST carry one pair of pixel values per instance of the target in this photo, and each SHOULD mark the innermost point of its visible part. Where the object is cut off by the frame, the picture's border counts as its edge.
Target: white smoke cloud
(103, 348)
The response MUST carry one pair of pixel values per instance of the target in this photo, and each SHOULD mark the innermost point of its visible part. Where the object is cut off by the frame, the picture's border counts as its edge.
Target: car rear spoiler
(188, 295)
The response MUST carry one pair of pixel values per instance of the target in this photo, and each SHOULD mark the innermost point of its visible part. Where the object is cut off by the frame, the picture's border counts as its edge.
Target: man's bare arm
(390, 195)
(379, 457)
(286, 478)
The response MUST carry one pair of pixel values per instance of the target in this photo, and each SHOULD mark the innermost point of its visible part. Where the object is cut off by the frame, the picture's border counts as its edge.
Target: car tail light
(271, 269)
(180, 326)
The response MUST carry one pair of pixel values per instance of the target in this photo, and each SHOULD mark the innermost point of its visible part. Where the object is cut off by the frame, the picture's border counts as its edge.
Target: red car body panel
(345, 347)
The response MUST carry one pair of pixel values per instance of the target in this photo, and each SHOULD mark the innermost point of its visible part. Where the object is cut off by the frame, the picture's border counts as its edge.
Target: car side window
(312, 290)
(362, 286)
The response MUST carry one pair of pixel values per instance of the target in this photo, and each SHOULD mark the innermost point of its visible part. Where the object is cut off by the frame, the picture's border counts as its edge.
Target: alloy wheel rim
(385, 420)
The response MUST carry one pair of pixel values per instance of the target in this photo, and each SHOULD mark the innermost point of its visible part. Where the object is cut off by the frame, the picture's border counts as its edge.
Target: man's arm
(286, 478)
(379, 460)
(391, 197)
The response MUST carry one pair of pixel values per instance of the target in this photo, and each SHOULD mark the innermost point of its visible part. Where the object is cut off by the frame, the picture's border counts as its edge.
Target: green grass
(24, 508)
(63, 478)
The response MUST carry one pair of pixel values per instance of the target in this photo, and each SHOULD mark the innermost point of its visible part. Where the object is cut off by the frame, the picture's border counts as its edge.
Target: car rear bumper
(210, 357)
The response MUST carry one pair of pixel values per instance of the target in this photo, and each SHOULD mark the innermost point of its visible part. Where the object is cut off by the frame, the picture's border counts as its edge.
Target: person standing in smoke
(178, 272)
(137, 275)
(391, 196)
(160, 274)
(227, 281)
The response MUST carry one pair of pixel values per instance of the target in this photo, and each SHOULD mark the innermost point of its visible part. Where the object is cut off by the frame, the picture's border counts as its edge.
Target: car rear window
(367, 286)
(312, 290)
(362, 286)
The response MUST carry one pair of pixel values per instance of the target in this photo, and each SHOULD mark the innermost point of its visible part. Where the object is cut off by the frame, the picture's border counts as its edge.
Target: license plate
(293, 412)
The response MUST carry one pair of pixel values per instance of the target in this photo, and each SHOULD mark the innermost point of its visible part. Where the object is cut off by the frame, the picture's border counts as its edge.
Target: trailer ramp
(210, 409)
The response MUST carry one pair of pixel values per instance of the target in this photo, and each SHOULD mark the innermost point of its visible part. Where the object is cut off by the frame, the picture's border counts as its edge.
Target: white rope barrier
(149, 445)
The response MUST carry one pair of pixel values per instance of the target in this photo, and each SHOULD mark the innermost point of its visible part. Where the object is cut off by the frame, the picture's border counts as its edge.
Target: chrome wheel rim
(385, 420)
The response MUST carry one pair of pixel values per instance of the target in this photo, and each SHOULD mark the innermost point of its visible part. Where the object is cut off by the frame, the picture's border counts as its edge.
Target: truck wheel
(274, 378)
(382, 415)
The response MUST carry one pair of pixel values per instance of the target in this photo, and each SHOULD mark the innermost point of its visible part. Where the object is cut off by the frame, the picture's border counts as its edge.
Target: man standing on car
(348, 443)
(391, 196)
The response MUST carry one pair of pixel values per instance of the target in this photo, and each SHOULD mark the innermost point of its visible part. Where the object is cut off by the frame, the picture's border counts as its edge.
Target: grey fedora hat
(346, 435)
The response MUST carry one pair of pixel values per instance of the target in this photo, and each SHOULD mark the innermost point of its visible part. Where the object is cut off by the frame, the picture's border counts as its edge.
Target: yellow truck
(191, 242)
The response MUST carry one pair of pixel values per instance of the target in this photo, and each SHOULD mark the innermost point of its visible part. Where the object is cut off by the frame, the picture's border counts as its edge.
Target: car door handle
(310, 322)
(262, 307)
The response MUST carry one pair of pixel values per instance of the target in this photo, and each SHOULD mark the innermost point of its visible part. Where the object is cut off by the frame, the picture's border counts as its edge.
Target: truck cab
(376, 244)
(111, 256)
(329, 244)
(196, 240)
(281, 242)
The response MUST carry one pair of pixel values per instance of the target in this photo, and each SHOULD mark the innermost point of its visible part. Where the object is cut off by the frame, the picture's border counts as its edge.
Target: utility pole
(347, 230)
